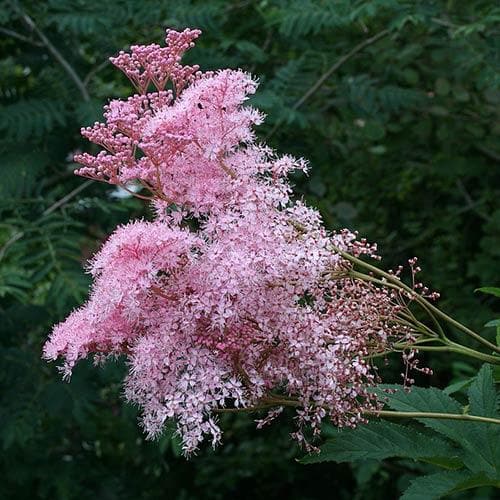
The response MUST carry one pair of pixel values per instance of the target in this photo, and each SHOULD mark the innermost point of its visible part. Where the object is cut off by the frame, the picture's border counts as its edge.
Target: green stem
(395, 282)
(246, 409)
(277, 401)
(440, 330)
(443, 416)
(448, 346)
(467, 351)
(372, 279)
(413, 322)
(457, 348)
(416, 344)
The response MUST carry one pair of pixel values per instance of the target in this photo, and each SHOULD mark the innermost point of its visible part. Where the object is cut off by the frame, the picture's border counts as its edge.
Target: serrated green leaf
(482, 394)
(485, 456)
(480, 441)
(458, 386)
(444, 483)
(426, 400)
(380, 440)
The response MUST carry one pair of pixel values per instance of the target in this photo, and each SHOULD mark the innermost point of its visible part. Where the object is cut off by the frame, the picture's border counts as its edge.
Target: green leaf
(20, 170)
(436, 401)
(491, 290)
(432, 400)
(444, 483)
(380, 440)
(31, 117)
(480, 442)
(495, 323)
(484, 456)
(458, 386)
(482, 394)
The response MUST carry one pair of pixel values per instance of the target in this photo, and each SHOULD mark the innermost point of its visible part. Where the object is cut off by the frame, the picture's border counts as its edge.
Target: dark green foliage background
(403, 140)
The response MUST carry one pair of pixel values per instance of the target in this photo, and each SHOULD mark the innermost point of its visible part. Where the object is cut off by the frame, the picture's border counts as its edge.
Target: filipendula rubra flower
(253, 308)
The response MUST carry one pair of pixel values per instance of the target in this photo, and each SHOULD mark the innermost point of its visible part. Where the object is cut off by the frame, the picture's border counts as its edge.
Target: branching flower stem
(449, 346)
(440, 416)
(277, 401)
(393, 282)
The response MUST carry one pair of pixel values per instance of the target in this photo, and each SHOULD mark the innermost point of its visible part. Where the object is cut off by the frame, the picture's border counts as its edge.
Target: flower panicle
(235, 296)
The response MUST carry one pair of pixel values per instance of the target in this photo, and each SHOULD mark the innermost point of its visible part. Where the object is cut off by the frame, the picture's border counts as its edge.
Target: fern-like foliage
(31, 118)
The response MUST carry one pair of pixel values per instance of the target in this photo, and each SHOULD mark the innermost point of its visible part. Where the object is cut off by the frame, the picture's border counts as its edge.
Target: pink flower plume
(235, 292)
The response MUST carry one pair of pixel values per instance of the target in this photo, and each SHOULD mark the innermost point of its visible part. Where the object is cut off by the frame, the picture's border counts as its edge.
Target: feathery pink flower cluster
(235, 295)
